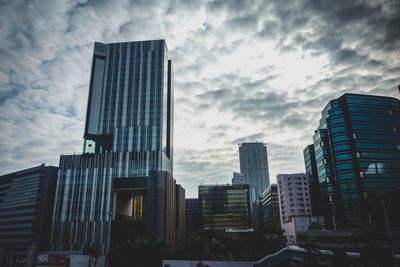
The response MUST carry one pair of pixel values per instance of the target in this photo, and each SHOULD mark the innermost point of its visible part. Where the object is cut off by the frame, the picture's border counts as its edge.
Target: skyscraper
(357, 151)
(254, 166)
(121, 187)
(130, 107)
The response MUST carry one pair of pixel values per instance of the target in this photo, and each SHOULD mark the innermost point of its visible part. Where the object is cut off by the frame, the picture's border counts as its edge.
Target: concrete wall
(124, 204)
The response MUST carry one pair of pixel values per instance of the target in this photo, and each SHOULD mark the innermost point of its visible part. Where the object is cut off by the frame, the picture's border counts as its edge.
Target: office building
(254, 166)
(26, 203)
(239, 178)
(294, 196)
(180, 214)
(121, 187)
(357, 151)
(312, 176)
(130, 107)
(269, 207)
(192, 215)
(295, 205)
(225, 207)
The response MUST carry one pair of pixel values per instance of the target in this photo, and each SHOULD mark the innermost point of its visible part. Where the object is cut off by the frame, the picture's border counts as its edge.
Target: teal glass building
(357, 154)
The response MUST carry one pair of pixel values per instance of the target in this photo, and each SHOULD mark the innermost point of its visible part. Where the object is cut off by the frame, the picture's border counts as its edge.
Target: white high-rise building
(294, 196)
(295, 205)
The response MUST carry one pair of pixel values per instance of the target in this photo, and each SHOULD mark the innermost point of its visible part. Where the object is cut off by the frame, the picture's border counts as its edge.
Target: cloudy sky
(244, 71)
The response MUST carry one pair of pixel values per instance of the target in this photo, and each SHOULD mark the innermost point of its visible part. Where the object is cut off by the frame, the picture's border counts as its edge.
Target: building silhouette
(312, 176)
(192, 216)
(269, 209)
(357, 155)
(121, 187)
(239, 178)
(26, 205)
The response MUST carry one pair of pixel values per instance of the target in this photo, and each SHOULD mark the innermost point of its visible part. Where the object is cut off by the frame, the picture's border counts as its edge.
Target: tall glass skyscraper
(254, 166)
(130, 104)
(122, 184)
(357, 153)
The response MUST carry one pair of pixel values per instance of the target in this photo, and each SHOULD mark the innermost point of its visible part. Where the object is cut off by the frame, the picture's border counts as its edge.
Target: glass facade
(269, 202)
(224, 207)
(357, 153)
(26, 204)
(192, 215)
(128, 135)
(130, 103)
(253, 159)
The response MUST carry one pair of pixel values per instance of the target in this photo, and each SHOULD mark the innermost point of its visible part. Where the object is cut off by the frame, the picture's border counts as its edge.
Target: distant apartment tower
(312, 175)
(357, 152)
(225, 207)
(239, 178)
(192, 215)
(269, 201)
(121, 188)
(295, 205)
(26, 205)
(254, 166)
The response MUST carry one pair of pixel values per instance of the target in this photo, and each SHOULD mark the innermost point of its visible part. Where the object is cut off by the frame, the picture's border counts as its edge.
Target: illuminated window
(137, 209)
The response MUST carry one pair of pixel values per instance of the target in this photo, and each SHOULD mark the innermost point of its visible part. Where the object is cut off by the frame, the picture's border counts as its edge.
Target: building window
(137, 209)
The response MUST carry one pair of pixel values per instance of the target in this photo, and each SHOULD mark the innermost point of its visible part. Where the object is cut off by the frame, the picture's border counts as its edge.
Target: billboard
(79, 260)
(52, 260)
(201, 263)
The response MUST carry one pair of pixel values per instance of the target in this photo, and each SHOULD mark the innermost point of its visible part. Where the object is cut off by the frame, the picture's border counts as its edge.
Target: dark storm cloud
(247, 22)
(294, 120)
(264, 107)
(349, 56)
(392, 33)
(270, 29)
(233, 7)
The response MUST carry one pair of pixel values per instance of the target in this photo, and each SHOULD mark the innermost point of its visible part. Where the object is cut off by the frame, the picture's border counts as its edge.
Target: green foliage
(142, 253)
(218, 245)
(90, 250)
(204, 245)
